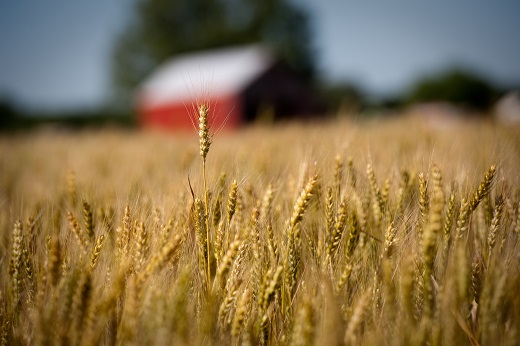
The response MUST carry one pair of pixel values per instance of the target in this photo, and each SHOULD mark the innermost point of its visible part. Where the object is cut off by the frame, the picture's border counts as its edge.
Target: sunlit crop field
(359, 233)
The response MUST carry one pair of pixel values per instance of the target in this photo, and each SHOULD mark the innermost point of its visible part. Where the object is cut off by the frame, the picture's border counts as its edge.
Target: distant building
(242, 84)
(507, 108)
(439, 114)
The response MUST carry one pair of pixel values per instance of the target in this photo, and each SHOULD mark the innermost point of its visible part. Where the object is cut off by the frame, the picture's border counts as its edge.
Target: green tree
(9, 117)
(161, 29)
(456, 86)
(343, 96)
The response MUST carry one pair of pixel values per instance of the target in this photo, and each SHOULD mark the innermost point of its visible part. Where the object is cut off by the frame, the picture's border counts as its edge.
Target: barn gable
(280, 89)
(237, 82)
(217, 76)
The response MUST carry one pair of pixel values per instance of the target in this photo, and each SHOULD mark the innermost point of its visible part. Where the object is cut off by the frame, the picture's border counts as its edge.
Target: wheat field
(389, 232)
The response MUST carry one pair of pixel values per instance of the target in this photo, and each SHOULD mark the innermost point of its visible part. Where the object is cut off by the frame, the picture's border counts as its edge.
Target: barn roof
(204, 74)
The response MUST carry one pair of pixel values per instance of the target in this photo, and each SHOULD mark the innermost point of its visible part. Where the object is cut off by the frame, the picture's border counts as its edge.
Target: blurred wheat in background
(332, 233)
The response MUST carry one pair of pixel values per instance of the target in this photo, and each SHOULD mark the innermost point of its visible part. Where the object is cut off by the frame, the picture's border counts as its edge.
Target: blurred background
(87, 63)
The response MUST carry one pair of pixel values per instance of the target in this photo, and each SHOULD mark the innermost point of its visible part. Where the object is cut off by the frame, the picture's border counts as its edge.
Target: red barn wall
(225, 112)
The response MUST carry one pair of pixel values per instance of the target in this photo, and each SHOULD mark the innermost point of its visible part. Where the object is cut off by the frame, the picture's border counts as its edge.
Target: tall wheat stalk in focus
(204, 144)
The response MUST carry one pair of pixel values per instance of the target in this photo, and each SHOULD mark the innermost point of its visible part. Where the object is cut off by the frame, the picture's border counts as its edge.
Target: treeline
(458, 86)
(14, 118)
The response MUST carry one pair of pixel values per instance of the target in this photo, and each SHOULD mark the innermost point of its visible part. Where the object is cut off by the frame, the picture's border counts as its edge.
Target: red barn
(240, 84)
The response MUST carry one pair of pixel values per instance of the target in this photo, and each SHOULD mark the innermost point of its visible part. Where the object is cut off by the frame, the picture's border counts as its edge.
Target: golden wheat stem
(16, 262)
(424, 203)
(96, 251)
(390, 241)
(338, 175)
(448, 221)
(83, 242)
(483, 189)
(303, 330)
(429, 240)
(337, 231)
(351, 172)
(238, 320)
(493, 229)
(357, 319)
(89, 221)
(204, 144)
(517, 222)
(206, 217)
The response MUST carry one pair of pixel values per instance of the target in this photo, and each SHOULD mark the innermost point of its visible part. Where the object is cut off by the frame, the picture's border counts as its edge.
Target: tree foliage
(161, 29)
(343, 96)
(457, 86)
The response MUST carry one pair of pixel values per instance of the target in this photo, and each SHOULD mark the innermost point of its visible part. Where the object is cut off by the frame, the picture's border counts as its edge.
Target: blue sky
(56, 54)
(385, 45)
